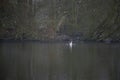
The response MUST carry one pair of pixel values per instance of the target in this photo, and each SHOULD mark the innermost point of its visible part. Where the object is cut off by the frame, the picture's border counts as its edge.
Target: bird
(70, 44)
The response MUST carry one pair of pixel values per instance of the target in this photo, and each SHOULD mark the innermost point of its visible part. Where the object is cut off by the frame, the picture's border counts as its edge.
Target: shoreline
(57, 41)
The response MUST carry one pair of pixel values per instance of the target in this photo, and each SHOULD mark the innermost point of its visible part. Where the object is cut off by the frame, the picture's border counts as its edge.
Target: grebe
(71, 44)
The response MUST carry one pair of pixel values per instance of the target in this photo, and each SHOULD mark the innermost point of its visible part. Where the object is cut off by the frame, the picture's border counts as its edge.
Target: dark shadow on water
(3, 70)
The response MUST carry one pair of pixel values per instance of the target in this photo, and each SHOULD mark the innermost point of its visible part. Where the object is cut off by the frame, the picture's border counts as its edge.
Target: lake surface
(57, 61)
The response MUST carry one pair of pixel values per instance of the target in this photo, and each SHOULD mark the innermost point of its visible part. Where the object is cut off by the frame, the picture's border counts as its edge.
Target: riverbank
(58, 41)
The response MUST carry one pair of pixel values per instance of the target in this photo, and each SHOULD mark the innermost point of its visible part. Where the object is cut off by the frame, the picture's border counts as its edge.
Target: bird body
(71, 44)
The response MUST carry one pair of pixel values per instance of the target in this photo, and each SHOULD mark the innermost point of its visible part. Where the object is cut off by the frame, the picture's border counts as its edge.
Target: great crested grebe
(70, 44)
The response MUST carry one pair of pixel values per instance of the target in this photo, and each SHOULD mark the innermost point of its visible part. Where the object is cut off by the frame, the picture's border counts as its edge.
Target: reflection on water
(56, 61)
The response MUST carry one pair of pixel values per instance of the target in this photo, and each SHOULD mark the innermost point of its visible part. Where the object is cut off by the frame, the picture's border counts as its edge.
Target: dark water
(56, 61)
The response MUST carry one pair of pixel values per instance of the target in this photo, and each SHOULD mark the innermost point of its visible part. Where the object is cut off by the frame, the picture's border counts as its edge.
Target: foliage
(44, 19)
